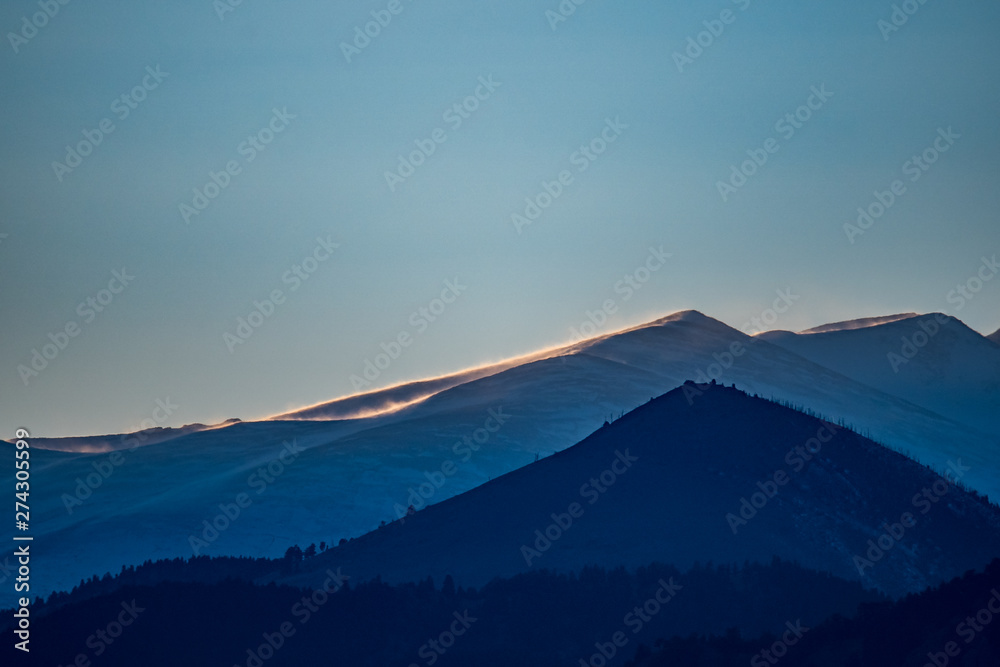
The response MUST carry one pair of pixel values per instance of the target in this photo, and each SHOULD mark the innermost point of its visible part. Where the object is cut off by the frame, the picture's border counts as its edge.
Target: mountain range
(339, 469)
(701, 473)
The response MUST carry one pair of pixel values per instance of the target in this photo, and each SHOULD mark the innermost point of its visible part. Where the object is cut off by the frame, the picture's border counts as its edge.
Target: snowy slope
(354, 473)
(390, 399)
(859, 323)
(96, 444)
(956, 373)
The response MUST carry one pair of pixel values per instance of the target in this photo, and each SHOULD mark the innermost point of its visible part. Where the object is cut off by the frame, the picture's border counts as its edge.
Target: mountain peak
(689, 315)
(669, 481)
(694, 317)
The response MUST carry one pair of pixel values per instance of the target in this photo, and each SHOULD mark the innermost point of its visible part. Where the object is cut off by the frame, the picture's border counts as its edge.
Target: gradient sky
(323, 176)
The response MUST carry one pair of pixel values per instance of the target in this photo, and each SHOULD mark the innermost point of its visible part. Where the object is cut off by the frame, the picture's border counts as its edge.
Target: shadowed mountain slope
(667, 482)
(934, 361)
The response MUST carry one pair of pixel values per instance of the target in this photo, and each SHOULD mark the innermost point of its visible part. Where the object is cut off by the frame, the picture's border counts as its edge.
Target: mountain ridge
(935, 361)
(859, 323)
(351, 473)
(526, 518)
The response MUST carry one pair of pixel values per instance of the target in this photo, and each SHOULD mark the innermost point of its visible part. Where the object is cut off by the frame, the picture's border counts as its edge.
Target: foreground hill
(954, 624)
(535, 619)
(701, 473)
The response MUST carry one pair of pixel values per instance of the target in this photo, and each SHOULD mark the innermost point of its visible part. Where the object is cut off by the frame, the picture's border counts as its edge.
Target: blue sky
(323, 177)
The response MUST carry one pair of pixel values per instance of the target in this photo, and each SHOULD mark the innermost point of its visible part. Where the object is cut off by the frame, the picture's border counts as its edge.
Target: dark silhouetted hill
(667, 482)
(952, 624)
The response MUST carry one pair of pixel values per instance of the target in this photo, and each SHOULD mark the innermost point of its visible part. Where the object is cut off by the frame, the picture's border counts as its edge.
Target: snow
(861, 323)
(354, 472)
(956, 373)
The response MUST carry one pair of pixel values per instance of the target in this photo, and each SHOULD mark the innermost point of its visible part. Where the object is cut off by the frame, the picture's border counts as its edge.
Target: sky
(169, 169)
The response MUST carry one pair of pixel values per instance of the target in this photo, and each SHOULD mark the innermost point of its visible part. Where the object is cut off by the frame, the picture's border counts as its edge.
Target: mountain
(309, 478)
(859, 323)
(391, 399)
(995, 337)
(934, 361)
(701, 473)
(99, 444)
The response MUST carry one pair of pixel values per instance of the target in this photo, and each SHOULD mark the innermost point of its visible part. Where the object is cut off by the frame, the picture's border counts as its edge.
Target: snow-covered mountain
(860, 323)
(97, 444)
(934, 361)
(311, 477)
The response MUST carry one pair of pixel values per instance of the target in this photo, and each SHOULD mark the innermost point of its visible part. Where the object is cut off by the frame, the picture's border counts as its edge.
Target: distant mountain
(995, 337)
(860, 323)
(310, 478)
(99, 444)
(701, 473)
(934, 361)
